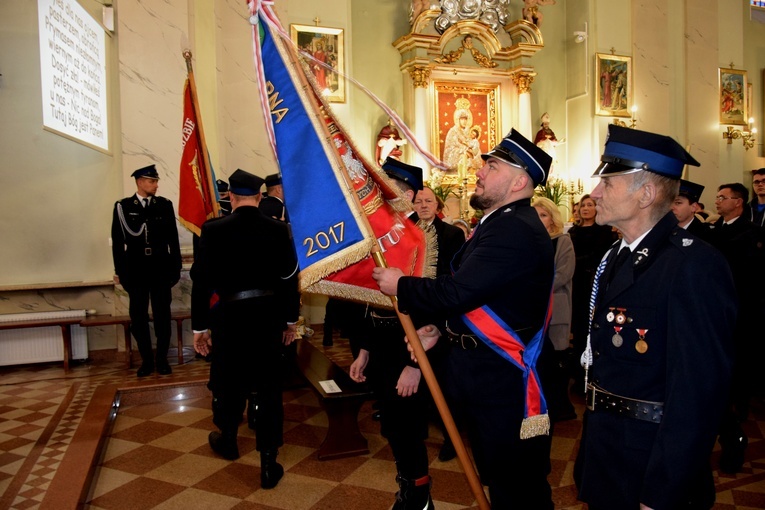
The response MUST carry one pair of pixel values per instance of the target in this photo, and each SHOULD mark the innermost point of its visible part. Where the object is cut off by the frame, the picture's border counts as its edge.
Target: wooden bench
(124, 320)
(343, 438)
(64, 324)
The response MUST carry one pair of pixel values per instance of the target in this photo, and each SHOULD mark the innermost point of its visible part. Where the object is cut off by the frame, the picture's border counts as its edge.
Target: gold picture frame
(732, 103)
(613, 85)
(326, 45)
(460, 143)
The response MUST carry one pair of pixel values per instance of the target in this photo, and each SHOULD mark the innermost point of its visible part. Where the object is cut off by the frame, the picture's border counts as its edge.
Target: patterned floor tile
(158, 456)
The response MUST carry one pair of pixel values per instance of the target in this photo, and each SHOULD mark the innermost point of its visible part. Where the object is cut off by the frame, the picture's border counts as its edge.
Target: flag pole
(195, 105)
(406, 322)
(414, 340)
(438, 396)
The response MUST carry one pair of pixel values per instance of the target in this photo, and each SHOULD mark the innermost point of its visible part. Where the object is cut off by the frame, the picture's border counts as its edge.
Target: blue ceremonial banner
(328, 223)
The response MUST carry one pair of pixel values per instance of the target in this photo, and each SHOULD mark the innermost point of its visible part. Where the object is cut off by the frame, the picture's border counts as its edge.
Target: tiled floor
(155, 452)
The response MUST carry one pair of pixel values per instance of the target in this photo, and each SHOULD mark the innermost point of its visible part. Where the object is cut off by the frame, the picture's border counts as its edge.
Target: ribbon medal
(641, 345)
(617, 339)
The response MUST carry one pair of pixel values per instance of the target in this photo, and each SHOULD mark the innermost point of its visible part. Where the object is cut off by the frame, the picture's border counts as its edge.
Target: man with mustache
(495, 307)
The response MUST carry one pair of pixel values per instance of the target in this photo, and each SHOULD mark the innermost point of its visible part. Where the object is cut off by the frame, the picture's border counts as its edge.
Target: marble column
(522, 81)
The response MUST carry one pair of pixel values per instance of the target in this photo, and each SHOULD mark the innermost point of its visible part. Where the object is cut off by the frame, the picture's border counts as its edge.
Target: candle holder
(633, 120)
(746, 136)
(574, 189)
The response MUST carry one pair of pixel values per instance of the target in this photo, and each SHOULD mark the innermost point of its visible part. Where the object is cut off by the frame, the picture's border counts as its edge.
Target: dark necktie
(623, 255)
(146, 202)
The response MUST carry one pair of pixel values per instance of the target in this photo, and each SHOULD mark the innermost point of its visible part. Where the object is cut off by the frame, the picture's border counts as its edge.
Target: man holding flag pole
(497, 309)
(343, 209)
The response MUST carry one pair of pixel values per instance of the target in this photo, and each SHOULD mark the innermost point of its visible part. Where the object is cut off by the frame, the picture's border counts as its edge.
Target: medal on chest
(641, 345)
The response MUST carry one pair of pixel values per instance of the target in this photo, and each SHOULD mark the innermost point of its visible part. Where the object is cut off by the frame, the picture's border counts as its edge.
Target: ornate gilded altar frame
(484, 101)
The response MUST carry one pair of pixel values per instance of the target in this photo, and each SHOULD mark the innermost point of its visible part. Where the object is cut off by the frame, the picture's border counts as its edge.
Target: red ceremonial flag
(197, 201)
(302, 128)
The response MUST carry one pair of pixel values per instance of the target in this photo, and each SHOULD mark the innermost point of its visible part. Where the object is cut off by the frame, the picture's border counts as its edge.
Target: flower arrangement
(441, 190)
(556, 190)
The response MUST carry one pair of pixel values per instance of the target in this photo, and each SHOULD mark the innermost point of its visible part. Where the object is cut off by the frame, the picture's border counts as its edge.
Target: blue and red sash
(493, 331)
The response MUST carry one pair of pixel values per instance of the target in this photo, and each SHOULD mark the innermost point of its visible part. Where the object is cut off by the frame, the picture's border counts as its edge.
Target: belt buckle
(147, 251)
(589, 397)
(471, 338)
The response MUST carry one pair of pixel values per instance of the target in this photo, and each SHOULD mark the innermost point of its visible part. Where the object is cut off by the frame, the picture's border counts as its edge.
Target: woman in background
(554, 368)
(590, 244)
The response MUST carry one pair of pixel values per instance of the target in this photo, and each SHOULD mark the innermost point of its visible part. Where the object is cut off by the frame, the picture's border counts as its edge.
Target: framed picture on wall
(324, 45)
(733, 97)
(613, 85)
(465, 125)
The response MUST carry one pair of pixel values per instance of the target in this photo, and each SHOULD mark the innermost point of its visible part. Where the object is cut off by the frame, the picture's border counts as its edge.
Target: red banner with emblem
(197, 199)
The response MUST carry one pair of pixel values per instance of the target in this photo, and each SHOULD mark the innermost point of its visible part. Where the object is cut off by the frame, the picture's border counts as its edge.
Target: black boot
(146, 368)
(252, 410)
(733, 451)
(270, 470)
(413, 494)
(163, 367)
(447, 451)
(224, 445)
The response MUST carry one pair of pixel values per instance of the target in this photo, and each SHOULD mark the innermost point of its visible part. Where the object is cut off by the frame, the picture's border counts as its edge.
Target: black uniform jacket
(699, 229)
(687, 366)
(741, 246)
(240, 252)
(153, 254)
(507, 264)
(273, 207)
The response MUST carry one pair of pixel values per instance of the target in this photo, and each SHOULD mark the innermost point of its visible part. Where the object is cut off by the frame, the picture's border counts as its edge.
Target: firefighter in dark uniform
(395, 379)
(658, 360)
(403, 396)
(248, 260)
(685, 206)
(147, 263)
(504, 273)
(272, 204)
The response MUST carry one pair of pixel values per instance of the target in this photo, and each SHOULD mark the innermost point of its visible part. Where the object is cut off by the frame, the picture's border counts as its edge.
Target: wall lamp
(746, 136)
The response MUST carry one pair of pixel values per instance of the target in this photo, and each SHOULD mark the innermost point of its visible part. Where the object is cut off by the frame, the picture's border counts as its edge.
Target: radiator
(36, 345)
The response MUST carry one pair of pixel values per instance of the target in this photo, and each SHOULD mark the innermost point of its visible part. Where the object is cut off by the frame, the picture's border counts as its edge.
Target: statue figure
(531, 12)
(419, 6)
(546, 140)
(388, 143)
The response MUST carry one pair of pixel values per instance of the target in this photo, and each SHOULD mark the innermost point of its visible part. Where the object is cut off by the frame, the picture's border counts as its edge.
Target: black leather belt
(598, 399)
(246, 294)
(379, 321)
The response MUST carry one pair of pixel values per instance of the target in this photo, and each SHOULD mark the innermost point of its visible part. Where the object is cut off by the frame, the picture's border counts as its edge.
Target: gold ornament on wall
(523, 81)
(420, 75)
(467, 44)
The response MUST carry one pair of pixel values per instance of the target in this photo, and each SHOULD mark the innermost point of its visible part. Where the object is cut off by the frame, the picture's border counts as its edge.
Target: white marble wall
(651, 56)
(702, 123)
(242, 128)
(152, 72)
